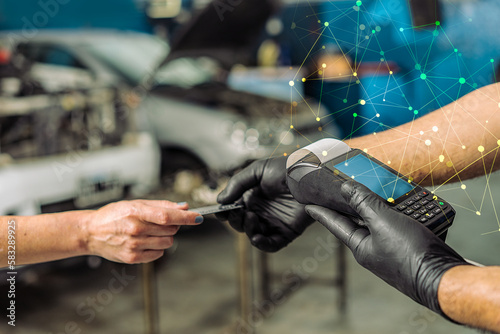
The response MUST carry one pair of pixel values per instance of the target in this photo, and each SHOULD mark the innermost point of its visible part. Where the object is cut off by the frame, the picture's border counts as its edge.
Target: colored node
(381, 124)
(293, 26)
(377, 115)
(291, 126)
(291, 83)
(318, 119)
(441, 158)
(480, 148)
(355, 74)
(401, 29)
(373, 31)
(435, 128)
(441, 203)
(344, 100)
(327, 24)
(365, 150)
(438, 23)
(324, 153)
(463, 147)
(389, 162)
(362, 27)
(461, 80)
(323, 65)
(492, 60)
(428, 142)
(323, 47)
(455, 50)
(355, 115)
(284, 154)
(320, 129)
(415, 112)
(449, 164)
(460, 54)
(381, 53)
(320, 72)
(359, 3)
(362, 102)
(319, 21)
(435, 33)
(377, 28)
(421, 132)
(479, 213)
(498, 142)
(390, 200)
(357, 82)
(418, 67)
(303, 79)
(410, 108)
(474, 85)
(382, 59)
(294, 103)
(463, 186)
(390, 72)
(423, 76)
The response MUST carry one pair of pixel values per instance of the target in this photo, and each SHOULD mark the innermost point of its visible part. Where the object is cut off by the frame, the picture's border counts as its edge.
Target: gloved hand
(394, 247)
(272, 218)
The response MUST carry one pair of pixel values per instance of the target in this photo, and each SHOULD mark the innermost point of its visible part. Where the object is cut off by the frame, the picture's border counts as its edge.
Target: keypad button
(408, 211)
(424, 201)
(430, 215)
(401, 207)
(416, 215)
(423, 193)
(422, 211)
(416, 198)
(416, 206)
(409, 202)
(430, 206)
(436, 211)
(423, 219)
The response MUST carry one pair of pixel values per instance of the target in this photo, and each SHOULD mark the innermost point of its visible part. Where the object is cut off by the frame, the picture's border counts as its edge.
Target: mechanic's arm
(454, 133)
(129, 231)
(409, 257)
(471, 295)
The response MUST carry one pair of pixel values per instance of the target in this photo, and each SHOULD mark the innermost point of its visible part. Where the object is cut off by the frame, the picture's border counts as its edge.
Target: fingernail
(181, 203)
(198, 219)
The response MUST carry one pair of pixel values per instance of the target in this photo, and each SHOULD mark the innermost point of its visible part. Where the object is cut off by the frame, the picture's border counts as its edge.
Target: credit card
(211, 209)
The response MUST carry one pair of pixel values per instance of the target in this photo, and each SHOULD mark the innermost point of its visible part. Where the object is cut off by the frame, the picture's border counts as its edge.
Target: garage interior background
(164, 99)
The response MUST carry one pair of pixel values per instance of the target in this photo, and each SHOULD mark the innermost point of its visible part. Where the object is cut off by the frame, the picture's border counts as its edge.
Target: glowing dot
(383, 100)
(357, 81)
(449, 164)
(474, 85)
(390, 72)
(318, 119)
(377, 28)
(441, 158)
(355, 115)
(362, 27)
(327, 24)
(416, 112)
(389, 162)
(463, 186)
(325, 153)
(352, 177)
(435, 128)
(410, 108)
(377, 115)
(323, 47)
(463, 147)
(381, 53)
(365, 150)
(291, 83)
(478, 213)
(390, 200)
(418, 67)
(324, 65)
(320, 129)
(303, 79)
(410, 179)
(498, 104)
(480, 148)
(294, 103)
(428, 142)
(438, 23)
(492, 60)
(434, 197)
(358, 3)
(455, 50)
(284, 154)
(344, 100)
(336, 172)
(421, 132)
(498, 142)
(291, 126)
(320, 72)
(401, 29)
(355, 74)
(461, 80)
(423, 76)
(362, 102)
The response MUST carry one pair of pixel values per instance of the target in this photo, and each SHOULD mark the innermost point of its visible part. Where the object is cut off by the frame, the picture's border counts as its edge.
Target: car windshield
(134, 57)
(187, 72)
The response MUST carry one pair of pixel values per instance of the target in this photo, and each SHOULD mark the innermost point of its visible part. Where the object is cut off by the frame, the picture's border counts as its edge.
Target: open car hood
(226, 30)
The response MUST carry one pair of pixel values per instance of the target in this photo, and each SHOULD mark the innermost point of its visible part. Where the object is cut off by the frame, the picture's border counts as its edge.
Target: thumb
(342, 227)
(362, 200)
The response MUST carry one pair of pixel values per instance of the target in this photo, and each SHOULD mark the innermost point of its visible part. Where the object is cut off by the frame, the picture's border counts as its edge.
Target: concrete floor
(197, 285)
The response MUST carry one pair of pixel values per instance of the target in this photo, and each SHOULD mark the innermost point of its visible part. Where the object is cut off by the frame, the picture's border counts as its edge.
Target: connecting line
(307, 56)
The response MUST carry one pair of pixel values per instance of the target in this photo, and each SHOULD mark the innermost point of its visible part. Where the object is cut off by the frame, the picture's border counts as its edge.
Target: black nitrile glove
(396, 248)
(272, 218)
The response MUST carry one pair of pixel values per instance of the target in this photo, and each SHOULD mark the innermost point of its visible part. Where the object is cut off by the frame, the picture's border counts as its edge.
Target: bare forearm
(45, 237)
(471, 295)
(456, 142)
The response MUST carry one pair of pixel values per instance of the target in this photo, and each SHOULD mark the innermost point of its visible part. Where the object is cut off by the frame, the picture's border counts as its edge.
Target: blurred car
(184, 99)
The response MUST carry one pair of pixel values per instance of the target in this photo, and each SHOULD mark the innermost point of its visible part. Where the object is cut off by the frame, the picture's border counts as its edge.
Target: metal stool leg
(150, 298)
